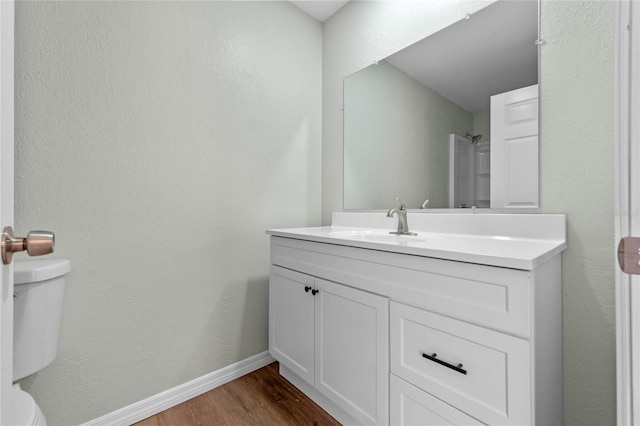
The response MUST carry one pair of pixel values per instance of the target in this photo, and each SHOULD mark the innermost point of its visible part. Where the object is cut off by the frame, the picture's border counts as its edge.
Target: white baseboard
(172, 397)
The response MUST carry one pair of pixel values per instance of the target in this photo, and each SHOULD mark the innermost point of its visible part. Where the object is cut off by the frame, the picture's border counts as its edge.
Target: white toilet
(38, 296)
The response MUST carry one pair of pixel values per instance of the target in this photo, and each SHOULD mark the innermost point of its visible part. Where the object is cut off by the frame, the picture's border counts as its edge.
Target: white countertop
(518, 241)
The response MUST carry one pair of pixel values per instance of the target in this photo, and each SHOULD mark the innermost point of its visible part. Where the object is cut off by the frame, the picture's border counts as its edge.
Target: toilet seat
(25, 410)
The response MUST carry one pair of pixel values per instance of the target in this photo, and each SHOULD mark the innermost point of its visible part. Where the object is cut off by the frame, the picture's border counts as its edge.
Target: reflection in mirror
(412, 122)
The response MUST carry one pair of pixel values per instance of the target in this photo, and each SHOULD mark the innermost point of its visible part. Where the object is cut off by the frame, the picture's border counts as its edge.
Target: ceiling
(494, 49)
(320, 9)
(465, 51)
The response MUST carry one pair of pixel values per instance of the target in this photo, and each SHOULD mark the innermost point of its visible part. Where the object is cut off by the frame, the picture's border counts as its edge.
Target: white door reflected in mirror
(514, 149)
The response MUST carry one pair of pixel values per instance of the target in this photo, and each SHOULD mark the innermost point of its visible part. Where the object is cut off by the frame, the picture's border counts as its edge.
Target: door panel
(291, 316)
(514, 148)
(521, 177)
(352, 367)
(6, 205)
(627, 202)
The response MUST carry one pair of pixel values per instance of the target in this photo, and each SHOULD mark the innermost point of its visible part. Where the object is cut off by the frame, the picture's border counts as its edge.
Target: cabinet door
(352, 357)
(291, 317)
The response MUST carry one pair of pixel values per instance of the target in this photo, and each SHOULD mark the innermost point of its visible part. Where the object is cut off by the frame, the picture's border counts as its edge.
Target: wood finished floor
(262, 397)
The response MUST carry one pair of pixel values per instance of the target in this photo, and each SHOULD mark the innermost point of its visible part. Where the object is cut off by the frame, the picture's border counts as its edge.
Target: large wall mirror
(418, 125)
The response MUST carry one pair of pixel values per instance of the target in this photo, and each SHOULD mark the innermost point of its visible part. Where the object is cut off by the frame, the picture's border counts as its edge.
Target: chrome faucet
(403, 225)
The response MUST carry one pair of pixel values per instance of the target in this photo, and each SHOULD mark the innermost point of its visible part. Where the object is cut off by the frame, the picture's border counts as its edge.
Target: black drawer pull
(307, 288)
(457, 368)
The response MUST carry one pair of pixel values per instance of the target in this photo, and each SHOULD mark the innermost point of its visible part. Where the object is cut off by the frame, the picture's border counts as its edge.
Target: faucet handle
(402, 206)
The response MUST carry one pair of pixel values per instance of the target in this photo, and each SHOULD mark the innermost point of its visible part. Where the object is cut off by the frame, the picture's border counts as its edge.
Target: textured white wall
(576, 159)
(159, 140)
(576, 178)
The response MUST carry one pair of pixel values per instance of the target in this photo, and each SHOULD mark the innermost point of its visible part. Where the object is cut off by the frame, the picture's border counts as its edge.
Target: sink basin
(378, 237)
(392, 238)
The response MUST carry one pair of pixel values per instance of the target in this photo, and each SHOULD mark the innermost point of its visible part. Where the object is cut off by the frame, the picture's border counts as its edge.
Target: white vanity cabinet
(334, 338)
(395, 337)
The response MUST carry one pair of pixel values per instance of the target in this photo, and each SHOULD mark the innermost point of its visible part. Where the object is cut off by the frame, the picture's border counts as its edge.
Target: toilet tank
(37, 309)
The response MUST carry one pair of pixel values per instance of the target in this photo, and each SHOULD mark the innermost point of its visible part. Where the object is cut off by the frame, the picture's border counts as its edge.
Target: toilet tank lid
(29, 271)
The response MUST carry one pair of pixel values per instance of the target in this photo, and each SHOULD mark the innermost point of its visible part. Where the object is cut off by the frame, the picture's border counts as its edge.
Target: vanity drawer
(482, 372)
(410, 406)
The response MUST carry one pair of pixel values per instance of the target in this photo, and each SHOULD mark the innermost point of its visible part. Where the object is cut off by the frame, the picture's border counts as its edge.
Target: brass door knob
(36, 243)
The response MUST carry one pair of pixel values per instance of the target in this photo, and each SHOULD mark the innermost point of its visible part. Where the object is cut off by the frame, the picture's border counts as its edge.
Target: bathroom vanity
(459, 324)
